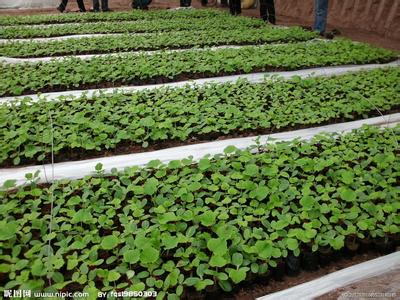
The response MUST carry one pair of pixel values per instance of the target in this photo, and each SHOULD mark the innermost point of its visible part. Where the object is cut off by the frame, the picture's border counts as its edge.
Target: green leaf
(217, 261)
(263, 249)
(363, 225)
(8, 230)
(307, 202)
(191, 281)
(217, 246)
(9, 184)
(230, 149)
(132, 256)
(204, 164)
(292, 244)
(150, 187)
(202, 284)
(147, 122)
(347, 177)
(251, 170)
(149, 255)
(347, 194)
(113, 276)
(109, 242)
(238, 275)
(207, 218)
(237, 259)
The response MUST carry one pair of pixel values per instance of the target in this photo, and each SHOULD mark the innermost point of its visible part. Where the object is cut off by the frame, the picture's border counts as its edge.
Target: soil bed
(127, 147)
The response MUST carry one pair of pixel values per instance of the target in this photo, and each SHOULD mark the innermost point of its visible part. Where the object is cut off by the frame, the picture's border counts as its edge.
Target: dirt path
(384, 287)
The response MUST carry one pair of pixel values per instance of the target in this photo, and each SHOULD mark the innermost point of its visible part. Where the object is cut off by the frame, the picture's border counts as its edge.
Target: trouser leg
(81, 5)
(63, 5)
(234, 7)
(231, 10)
(238, 6)
(263, 10)
(271, 11)
(321, 14)
(104, 4)
(96, 5)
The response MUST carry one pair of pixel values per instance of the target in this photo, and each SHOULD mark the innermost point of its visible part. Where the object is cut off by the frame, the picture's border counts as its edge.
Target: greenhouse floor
(225, 215)
(385, 286)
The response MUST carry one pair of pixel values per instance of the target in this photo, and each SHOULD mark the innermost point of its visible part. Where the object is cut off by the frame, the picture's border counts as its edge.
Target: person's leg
(271, 11)
(96, 5)
(238, 7)
(62, 5)
(232, 7)
(321, 14)
(263, 10)
(104, 5)
(81, 5)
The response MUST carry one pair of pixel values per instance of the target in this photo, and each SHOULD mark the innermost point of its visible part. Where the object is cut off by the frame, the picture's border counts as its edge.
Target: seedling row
(183, 227)
(155, 41)
(159, 25)
(136, 15)
(139, 69)
(159, 118)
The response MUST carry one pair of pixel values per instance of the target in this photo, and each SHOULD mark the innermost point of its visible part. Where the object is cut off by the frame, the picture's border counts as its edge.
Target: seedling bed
(170, 40)
(140, 69)
(135, 15)
(160, 25)
(181, 227)
(150, 120)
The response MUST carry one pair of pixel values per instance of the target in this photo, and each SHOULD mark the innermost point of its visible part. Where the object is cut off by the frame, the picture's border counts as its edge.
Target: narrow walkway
(356, 274)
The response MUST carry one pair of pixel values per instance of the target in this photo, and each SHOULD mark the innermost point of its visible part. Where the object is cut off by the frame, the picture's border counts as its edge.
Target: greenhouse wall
(378, 16)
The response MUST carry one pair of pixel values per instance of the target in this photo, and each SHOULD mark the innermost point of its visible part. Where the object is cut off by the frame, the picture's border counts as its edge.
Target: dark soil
(180, 77)
(128, 147)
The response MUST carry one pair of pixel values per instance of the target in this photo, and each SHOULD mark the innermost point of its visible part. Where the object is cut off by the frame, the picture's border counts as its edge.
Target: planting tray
(79, 169)
(325, 284)
(253, 78)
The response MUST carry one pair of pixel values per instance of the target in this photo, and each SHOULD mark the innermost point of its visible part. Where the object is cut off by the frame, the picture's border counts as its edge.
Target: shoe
(107, 10)
(60, 9)
(94, 10)
(327, 35)
(308, 28)
(336, 31)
